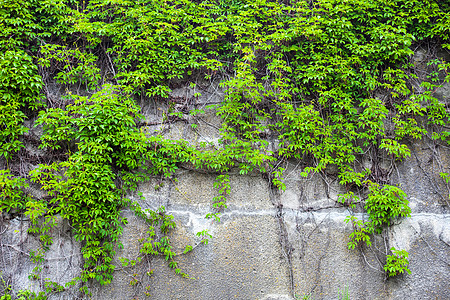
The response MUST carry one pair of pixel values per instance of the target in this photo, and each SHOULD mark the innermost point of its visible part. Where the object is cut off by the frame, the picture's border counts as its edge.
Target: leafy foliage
(385, 204)
(326, 81)
(19, 90)
(397, 263)
(361, 233)
(12, 196)
(104, 128)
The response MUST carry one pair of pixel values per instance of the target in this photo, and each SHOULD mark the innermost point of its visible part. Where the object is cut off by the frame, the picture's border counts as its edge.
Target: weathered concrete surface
(242, 261)
(426, 238)
(248, 257)
(62, 261)
(323, 266)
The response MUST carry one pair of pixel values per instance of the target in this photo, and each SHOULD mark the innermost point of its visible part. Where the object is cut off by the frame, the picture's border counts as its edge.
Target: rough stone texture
(419, 178)
(62, 261)
(241, 262)
(268, 245)
(322, 264)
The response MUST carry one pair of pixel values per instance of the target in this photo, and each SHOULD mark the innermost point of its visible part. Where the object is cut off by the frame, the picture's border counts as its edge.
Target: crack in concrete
(292, 212)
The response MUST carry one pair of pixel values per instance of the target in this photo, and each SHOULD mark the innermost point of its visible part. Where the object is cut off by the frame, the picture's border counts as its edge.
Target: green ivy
(321, 81)
(12, 196)
(397, 263)
(103, 127)
(385, 204)
(20, 87)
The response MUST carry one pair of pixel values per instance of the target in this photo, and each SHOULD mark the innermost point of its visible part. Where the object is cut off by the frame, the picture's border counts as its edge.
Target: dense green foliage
(12, 195)
(20, 87)
(331, 81)
(397, 263)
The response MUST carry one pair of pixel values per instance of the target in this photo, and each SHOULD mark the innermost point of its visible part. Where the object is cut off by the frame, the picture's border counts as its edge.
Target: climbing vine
(325, 81)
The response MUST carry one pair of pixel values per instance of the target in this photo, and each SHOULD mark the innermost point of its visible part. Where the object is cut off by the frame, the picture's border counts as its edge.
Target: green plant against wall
(397, 263)
(347, 69)
(326, 81)
(324, 71)
(13, 198)
(9, 294)
(105, 146)
(384, 205)
(108, 147)
(20, 88)
(73, 66)
(24, 23)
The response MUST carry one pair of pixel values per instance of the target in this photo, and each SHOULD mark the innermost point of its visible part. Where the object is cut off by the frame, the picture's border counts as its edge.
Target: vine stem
(433, 184)
(51, 258)
(432, 250)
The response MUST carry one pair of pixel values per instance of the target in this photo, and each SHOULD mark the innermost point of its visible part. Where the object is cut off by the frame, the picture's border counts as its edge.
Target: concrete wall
(268, 245)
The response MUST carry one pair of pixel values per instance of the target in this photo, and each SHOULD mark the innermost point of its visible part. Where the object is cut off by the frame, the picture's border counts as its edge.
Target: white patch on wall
(289, 199)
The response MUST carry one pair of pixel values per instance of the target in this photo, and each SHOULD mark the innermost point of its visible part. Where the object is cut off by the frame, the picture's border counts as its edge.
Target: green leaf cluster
(397, 263)
(12, 195)
(83, 187)
(385, 204)
(20, 87)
